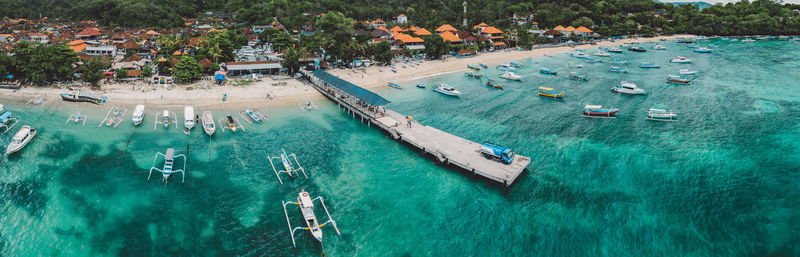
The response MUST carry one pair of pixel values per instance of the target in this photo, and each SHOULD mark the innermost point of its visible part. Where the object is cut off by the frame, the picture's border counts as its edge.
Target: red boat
(599, 111)
(678, 80)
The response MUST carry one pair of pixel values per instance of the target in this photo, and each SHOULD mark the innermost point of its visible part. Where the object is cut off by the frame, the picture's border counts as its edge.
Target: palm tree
(215, 52)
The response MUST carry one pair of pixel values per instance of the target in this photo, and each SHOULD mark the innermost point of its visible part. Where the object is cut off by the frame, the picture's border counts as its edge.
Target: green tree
(435, 46)
(382, 52)
(44, 63)
(187, 70)
(334, 33)
(147, 71)
(290, 61)
(524, 39)
(121, 73)
(93, 71)
(276, 38)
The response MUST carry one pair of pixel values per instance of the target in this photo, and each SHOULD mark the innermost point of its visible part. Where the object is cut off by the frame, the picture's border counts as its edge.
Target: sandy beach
(289, 92)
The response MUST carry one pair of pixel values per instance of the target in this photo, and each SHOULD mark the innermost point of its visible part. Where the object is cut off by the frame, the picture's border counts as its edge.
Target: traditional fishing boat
(394, 85)
(615, 50)
(505, 67)
(703, 50)
(619, 61)
(681, 59)
(550, 93)
(573, 65)
(748, 40)
(510, 75)
(579, 54)
(473, 67)
(21, 139)
(483, 65)
(575, 75)
(2, 109)
(592, 60)
(659, 47)
(685, 40)
(84, 97)
(473, 75)
(421, 86)
(637, 49)
(618, 70)
(597, 111)
(601, 54)
(494, 84)
(687, 72)
(447, 90)
(515, 65)
(209, 127)
(627, 88)
(647, 65)
(661, 115)
(138, 115)
(547, 71)
(678, 80)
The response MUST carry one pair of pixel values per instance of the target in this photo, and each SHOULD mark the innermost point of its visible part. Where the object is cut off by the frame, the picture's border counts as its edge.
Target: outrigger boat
(573, 65)
(550, 93)
(113, 116)
(661, 115)
(575, 75)
(659, 47)
(394, 85)
(483, 65)
(21, 139)
(703, 50)
(252, 115)
(505, 67)
(515, 65)
(579, 54)
(447, 90)
(167, 118)
(313, 226)
(84, 97)
(209, 127)
(288, 167)
(473, 67)
(188, 117)
(618, 61)
(308, 106)
(692, 46)
(138, 115)
(637, 49)
(687, 72)
(7, 122)
(681, 59)
(76, 118)
(38, 100)
(627, 88)
(592, 60)
(510, 75)
(597, 111)
(2, 109)
(618, 70)
(494, 84)
(601, 54)
(615, 50)
(231, 123)
(647, 65)
(547, 71)
(473, 75)
(421, 86)
(168, 168)
(678, 80)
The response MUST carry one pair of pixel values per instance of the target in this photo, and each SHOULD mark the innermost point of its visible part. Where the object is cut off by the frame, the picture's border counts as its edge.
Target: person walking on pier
(409, 119)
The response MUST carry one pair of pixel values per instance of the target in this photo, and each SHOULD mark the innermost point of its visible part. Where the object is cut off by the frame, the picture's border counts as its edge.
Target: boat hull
(601, 113)
(14, 148)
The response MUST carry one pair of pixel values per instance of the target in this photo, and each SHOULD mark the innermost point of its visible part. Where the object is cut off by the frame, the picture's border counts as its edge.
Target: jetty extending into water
(446, 148)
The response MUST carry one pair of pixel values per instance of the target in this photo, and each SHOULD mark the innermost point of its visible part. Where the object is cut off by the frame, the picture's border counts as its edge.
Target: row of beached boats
(167, 118)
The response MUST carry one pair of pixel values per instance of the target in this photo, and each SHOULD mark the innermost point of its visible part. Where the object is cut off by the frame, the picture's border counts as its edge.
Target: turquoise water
(723, 181)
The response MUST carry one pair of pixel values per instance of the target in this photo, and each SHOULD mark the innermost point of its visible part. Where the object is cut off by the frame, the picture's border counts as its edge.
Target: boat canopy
(593, 106)
(545, 88)
(362, 94)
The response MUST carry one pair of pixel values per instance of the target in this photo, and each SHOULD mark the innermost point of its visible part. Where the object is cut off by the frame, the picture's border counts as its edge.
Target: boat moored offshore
(511, 76)
(681, 59)
(447, 90)
(188, 117)
(618, 69)
(547, 71)
(627, 88)
(550, 93)
(209, 127)
(615, 50)
(138, 115)
(598, 111)
(703, 50)
(21, 139)
(575, 75)
(494, 84)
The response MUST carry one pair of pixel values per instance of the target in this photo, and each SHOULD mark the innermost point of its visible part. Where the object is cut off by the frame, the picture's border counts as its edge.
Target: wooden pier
(446, 148)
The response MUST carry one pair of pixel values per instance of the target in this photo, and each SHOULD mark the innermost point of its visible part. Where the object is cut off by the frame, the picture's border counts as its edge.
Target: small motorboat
(20, 139)
(550, 93)
(579, 54)
(494, 84)
(483, 65)
(618, 70)
(748, 40)
(592, 60)
(637, 49)
(254, 115)
(573, 65)
(681, 59)
(394, 85)
(618, 61)
(685, 40)
(687, 72)
(615, 50)
(659, 47)
(692, 45)
(474, 67)
(597, 111)
(703, 50)
(421, 86)
(473, 75)
(510, 75)
(505, 67)
(208, 123)
(575, 75)
(678, 80)
(515, 65)
(627, 88)
(661, 115)
(647, 65)
(188, 117)
(447, 90)
(601, 54)
(138, 115)
(547, 71)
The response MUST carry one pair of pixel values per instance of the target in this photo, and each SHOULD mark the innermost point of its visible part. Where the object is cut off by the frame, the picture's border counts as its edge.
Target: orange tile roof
(559, 28)
(584, 29)
(396, 29)
(449, 36)
(479, 25)
(570, 28)
(151, 32)
(491, 30)
(445, 27)
(78, 47)
(499, 43)
(422, 32)
(382, 28)
(405, 38)
(377, 21)
(401, 15)
(76, 42)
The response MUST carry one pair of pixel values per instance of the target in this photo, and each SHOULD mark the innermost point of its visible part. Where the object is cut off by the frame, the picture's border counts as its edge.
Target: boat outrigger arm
(288, 166)
(292, 230)
(167, 170)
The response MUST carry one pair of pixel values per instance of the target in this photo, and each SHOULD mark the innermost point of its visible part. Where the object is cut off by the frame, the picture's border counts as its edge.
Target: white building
(402, 19)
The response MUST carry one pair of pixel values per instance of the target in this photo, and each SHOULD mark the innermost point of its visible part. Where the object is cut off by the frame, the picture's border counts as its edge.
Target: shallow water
(720, 182)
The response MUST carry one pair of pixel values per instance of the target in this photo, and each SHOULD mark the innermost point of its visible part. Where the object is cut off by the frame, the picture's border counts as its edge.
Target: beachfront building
(450, 37)
(494, 35)
(243, 68)
(364, 100)
(408, 42)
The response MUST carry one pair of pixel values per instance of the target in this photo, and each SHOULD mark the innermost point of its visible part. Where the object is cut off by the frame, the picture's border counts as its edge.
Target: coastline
(294, 91)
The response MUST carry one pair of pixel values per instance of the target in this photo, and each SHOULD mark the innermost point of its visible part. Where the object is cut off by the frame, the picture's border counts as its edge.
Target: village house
(378, 23)
(402, 19)
(38, 38)
(108, 50)
(408, 42)
(89, 34)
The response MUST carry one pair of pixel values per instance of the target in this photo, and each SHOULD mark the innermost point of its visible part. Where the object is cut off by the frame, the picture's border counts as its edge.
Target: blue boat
(483, 65)
(592, 60)
(394, 85)
(421, 85)
(547, 71)
(575, 75)
(505, 67)
(647, 65)
(703, 50)
(618, 70)
(618, 61)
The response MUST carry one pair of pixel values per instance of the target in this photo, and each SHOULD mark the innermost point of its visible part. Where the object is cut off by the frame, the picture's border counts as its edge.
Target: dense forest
(609, 17)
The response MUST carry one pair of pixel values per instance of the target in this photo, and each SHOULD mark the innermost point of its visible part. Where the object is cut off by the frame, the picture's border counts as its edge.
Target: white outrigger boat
(231, 123)
(661, 115)
(627, 88)
(167, 118)
(138, 115)
(77, 117)
(2, 109)
(687, 72)
(7, 122)
(21, 139)
(510, 75)
(307, 209)
(601, 54)
(659, 47)
(252, 115)
(288, 166)
(188, 117)
(615, 50)
(168, 168)
(208, 123)
(681, 59)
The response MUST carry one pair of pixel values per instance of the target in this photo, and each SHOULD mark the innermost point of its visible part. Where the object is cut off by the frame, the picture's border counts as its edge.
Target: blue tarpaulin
(362, 94)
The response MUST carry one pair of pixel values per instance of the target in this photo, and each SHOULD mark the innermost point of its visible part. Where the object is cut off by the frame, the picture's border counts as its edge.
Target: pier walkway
(446, 148)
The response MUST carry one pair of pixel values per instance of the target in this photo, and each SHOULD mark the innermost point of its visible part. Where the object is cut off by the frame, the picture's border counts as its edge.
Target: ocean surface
(722, 181)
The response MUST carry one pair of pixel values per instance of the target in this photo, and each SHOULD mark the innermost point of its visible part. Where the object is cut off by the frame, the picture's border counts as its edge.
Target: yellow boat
(549, 92)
